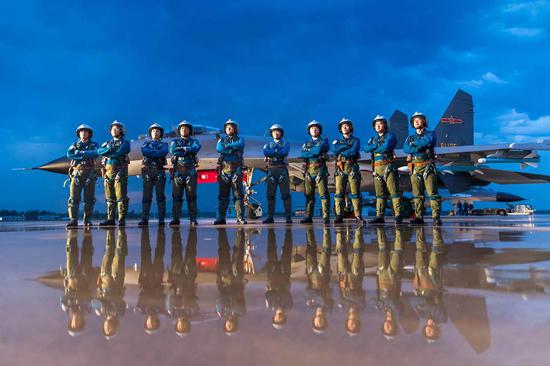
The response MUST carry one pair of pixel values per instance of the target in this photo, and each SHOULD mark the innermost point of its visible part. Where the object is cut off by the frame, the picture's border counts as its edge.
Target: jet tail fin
(456, 126)
(399, 126)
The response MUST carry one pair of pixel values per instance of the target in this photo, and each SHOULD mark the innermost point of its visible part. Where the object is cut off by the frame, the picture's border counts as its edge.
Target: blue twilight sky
(63, 63)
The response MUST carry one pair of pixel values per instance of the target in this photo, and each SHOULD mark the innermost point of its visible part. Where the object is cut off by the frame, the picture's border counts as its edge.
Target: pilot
(230, 172)
(347, 171)
(184, 174)
(110, 305)
(154, 158)
(388, 280)
(277, 295)
(275, 153)
(319, 292)
(350, 280)
(183, 302)
(230, 304)
(315, 155)
(428, 284)
(421, 158)
(79, 281)
(115, 174)
(386, 178)
(151, 299)
(82, 175)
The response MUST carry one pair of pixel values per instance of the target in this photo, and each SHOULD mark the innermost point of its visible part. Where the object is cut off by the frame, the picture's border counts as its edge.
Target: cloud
(532, 7)
(523, 32)
(487, 78)
(522, 126)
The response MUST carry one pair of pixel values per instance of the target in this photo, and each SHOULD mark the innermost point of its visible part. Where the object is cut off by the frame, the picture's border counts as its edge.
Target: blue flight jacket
(417, 144)
(383, 145)
(185, 150)
(347, 147)
(231, 148)
(313, 149)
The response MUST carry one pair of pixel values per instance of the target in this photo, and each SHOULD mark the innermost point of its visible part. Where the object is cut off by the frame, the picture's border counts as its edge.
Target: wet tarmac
(474, 292)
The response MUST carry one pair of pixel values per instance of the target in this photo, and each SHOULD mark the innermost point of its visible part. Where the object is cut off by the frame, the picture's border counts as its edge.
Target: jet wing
(509, 177)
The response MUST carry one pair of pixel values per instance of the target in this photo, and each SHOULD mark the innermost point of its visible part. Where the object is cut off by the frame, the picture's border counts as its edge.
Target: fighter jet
(460, 164)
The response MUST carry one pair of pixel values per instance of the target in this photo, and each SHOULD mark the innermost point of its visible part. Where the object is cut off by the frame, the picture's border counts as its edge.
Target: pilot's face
(84, 134)
(418, 123)
(379, 126)
(185, 131)
(115, 131)
(230, 130)
(155, 133)
(314, 131)
(277, 134)
(346, 128)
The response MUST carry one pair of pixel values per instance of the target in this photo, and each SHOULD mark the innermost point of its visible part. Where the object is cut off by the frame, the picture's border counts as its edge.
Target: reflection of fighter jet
(460, 164)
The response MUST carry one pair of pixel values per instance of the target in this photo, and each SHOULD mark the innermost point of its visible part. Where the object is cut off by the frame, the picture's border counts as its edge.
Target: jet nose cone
(508, 197)
(60, 165)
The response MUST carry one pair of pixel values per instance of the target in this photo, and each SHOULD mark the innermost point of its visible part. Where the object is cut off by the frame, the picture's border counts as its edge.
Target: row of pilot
(185, 149)
(181, 305)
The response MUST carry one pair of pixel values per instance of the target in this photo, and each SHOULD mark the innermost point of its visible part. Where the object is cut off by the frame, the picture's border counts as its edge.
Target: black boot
(161, 222)
(107, 223)
(122, 223)
(268, 220)
(219, 221)
(73, 224)
(417, 221)
(193, 221)
(398, 220)
(306, 220)
(326, 221)
(242, 221)
(377, 220)
(175, 222)
(289, 220)
(338, 220)
(437, 221)
(143, 223)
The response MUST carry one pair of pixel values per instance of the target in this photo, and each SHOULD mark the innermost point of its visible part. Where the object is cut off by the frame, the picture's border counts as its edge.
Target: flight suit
(389, 273)
(151, 298)
(347, 171)
(183, 301)
(428, 277)
(314, 152)
(110, 292)
(386, 176)
(230, 304)
(184, 159)
(350, 274)
(230, 175)
(82, 175)
(154, 177)
(80, 276)
(423, 174)
(115, 164)
(319, 292)
(277, 294)
(275, 153)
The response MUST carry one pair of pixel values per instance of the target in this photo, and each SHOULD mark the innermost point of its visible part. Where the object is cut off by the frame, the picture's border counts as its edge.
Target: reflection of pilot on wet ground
(79, 281)
(428, 284)
(277, 295)
(318, 279)
(230, 304)
(350, 279)
(151, 299)
(110, 303)
(388, 280)
(183, 303)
